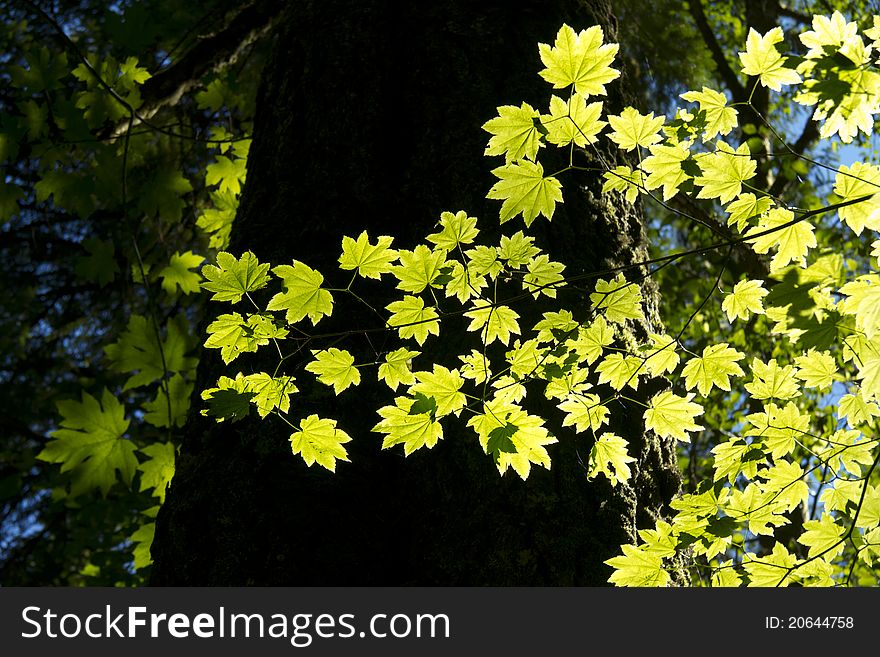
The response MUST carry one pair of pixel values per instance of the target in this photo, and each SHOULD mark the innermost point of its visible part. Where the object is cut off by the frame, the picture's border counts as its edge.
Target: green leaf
(771, 381)
(142, 539)
(720, 119)
(713, 368)
(579, 59)
(573, 121)
(671, 416)
(303, 295)
(823, 537)
(444, 387)
(412, 319)
(158, 471)
(854, 182)
(230, 400)
(334, 367)
(100, 265)
(178, 392)
(762, 59)
(493, 323)
(319, 441)
(747, 207)
(544, 277)
(584, 411)
(524, 189)
(514, 133)
(817, 369)
(745, 299)
(396, 369)
(369, 260)
(404, 426)
(234, 335)
(793, 242)
(770, 570)
(620, 300)
(270, 392)
(90, 445)
(664, 167)
(457, 229)
(160, 195)
(638, 567)
(137, 350)
(633, 130)
(229, 174)
(231, 279)
(619, 370)
(178, 275)
(419, 269)
(724, 171)
(623, 179)
(528, 440)
(608, 456)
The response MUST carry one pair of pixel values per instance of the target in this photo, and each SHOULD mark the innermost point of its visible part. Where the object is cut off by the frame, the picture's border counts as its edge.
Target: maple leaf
(457, 229)
(863, 301)
(856, 409)
(396, 368)
(671, 416)
(524, 189)
(405, 425)
(833, 32)
(720, 119)
(475, 366)
(230, 400)
(664, 167)
(270, 392)
(618, 371)
(590, 341)
(228, 174)
(623, 179)
(100, 263)
(579, 59)
(334, 367)
(779, 428)
(638, 567)
(792, 241)
(543, 277)
(419, 269)
(158, 471)
(817, 369)
(319, 441)
(573, 121)
(303, 295)
(178, 275)
(724, 171)
(823, 537)
(514, 438)
(139, 351)
(371, 261)
(762, 58)
(464, 282)
(233, 335)
(747, 207)
(713, 368)
(412, 319)
(494, 323)
(771, 381)
(517, 249)
(608, 456)
(175, 399)
(745, 299)
(859, 181)
(770, 570)
(785, 485)
(444, 387)
(514, 133)
(584, 411)
(89, 445)
(661, 355)
(621, 300)
(231, 279)
(632, 129)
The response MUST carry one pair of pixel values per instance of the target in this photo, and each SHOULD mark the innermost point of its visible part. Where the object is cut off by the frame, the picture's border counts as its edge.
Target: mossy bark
(369, 118)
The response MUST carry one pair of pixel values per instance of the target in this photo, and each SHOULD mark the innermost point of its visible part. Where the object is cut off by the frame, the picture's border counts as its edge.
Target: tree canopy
(125, 134)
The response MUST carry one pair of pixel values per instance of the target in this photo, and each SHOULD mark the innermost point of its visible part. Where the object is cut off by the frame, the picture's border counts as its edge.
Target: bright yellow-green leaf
(580, 59)
(230, 400)
(785, 485)
(763, 59)
(419, 269)
(747, 208)
(823, 537)
(412, 319)
(618, 371)
(319, 441)
(773, 569)
(371, 261)
(464, 282)
(714, 368)
(745, 299)
(623, 179)
(671, 416)
(303, 295)
(178, 275)
(514, 438)
(632, 129)
(444, 387)
(544, 276)
(524, 189)
(157, 471)
(517, 249)
(89, 445)
(573, 121)
(608, 456)
(404, 425)
(854, 182)
(863, 301)
(620, 300)
(335, 367)
(396, 369)
(584, 411)
(833, 32)
(661, 355)
(457, 229)
(234, 335)
(724, 171)
(792, 241)
(817, 369)
(514, 133)
(493, 323)
(231, 279)
(475, 366)
(270, 392)
(779, 428)
(664, 167)
(856, 409)
(720, 119)
(771, 381)
(638, 567)
(592, 340)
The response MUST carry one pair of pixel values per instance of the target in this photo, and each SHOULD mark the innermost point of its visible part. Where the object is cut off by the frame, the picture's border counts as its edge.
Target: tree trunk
(369, 118)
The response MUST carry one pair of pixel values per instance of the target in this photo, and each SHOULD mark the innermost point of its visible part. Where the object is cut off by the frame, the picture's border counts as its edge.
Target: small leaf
(319, 441)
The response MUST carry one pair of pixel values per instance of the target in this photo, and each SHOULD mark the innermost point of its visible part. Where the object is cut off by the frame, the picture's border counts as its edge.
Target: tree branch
(808, 137)
(727, 74)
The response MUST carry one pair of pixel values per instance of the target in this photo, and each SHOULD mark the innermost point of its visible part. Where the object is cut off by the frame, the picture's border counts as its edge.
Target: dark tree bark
(369, 118)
